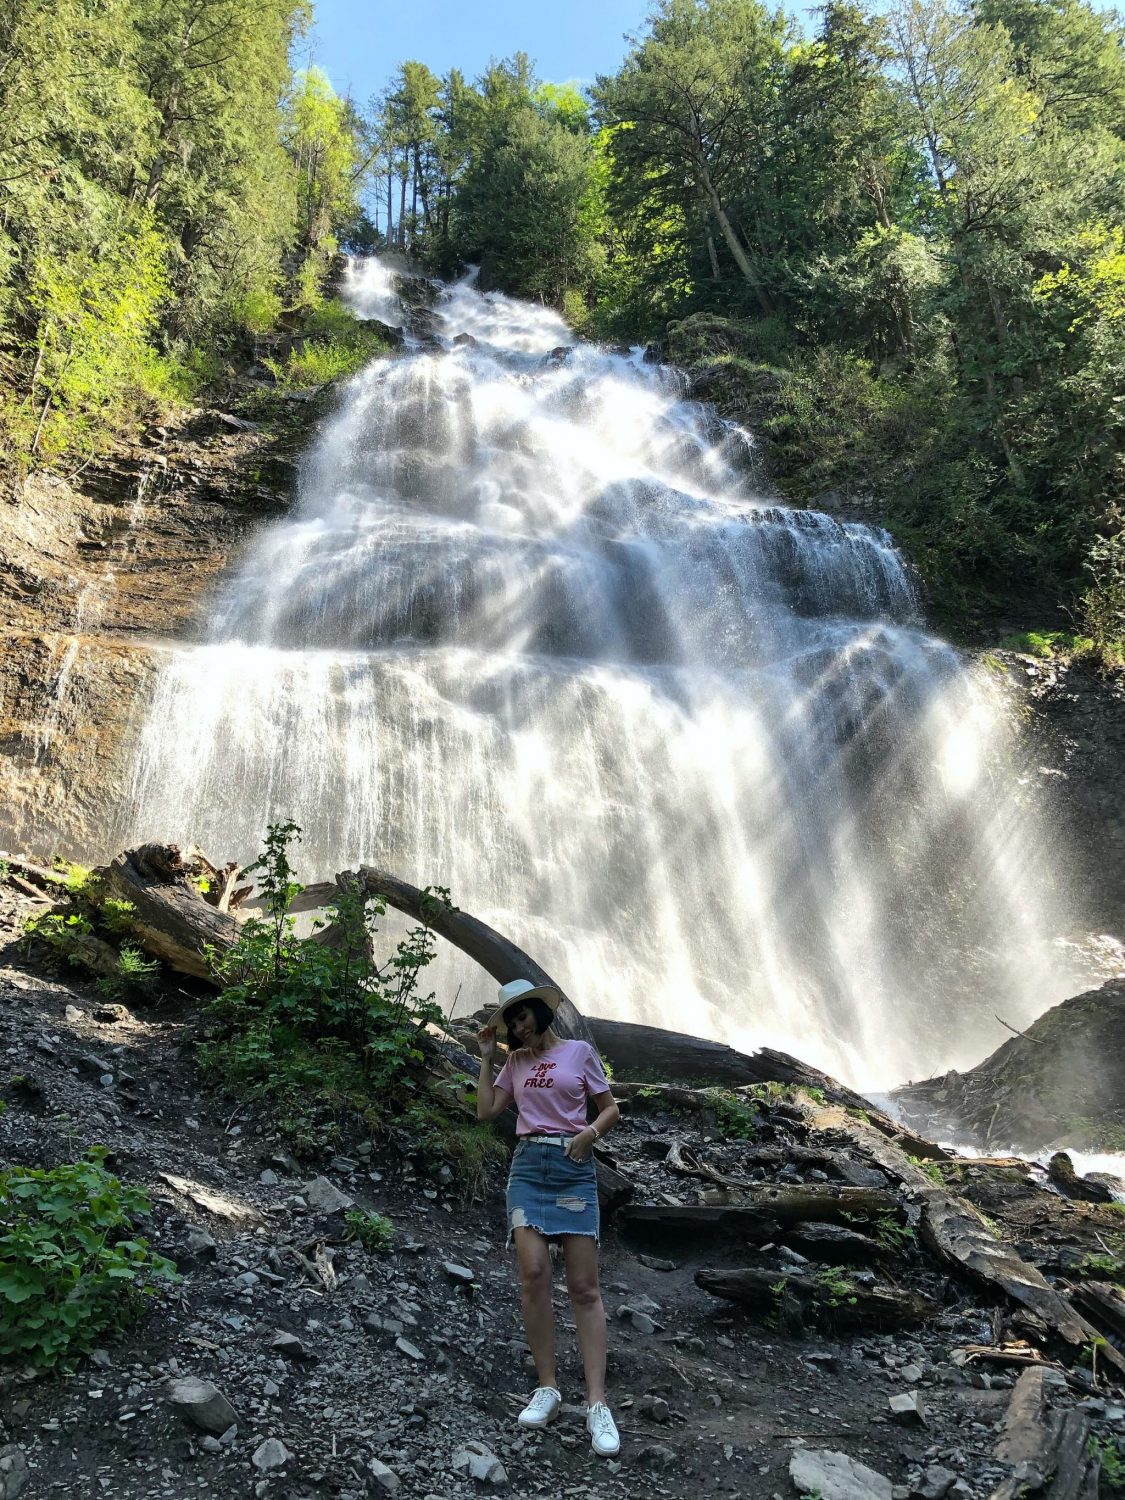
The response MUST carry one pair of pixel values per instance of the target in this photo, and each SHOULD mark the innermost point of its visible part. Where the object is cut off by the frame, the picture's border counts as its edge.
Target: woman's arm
(491, 1102)
(608, 1115)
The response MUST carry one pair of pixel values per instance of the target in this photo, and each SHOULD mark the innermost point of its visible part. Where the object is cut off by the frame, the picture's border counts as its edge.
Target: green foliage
(1103, 1267)
(135, 978)
(1108, 1453)
(894, 1238)
(733, 1115)
(374, 1232)
(62, 933)
(836, 1286)
(72, 1270)
(324, 1026)
(334, 344)
(166, 185)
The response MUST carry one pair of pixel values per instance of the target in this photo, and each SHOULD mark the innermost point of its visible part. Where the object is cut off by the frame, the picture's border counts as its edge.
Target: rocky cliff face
(97, 571)
(1073, 734)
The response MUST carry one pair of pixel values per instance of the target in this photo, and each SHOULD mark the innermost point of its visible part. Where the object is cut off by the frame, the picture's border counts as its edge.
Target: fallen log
(1104, 1304)
(828, 1298)
(956, 1233)
(1049, 1453)
(674, 1055)
(171, 919)
(747, 1221)
(773, 1207)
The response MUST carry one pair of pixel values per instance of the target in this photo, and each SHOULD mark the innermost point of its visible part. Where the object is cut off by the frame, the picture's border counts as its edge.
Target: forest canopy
(892, 242)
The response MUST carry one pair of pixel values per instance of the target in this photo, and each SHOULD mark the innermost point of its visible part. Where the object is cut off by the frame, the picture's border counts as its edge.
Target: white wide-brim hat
(522, 989)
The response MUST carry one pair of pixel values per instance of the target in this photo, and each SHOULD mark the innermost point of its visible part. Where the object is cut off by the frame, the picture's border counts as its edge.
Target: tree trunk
(733, 243)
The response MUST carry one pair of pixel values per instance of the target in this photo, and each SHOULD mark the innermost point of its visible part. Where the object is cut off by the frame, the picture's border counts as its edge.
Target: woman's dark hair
(542, 1012)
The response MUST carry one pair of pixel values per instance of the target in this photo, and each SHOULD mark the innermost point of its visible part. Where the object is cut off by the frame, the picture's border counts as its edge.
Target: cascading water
(530, 636)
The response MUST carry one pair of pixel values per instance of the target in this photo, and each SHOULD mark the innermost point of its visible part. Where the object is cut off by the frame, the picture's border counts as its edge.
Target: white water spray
(531, 636)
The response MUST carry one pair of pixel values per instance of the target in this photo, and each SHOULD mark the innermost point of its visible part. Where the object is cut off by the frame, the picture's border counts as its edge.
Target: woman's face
(522, 1025)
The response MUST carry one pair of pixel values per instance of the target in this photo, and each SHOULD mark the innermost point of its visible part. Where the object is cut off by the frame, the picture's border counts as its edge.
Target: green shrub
(1110, 1456)
(373, 1231)
(733, 1115)
(136, 976)
(326, 1030)
(70, 1268)
(334, 344)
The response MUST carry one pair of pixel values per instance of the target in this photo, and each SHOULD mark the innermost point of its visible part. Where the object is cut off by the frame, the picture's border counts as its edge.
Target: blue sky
(359, 43)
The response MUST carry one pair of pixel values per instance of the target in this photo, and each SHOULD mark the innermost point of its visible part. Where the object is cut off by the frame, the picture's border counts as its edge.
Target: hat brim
(545, 992)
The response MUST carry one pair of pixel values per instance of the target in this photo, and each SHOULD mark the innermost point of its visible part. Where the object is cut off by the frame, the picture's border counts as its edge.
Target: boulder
(480, 1463)
(835, 1476)
(202, 1404)
(1060, 1084)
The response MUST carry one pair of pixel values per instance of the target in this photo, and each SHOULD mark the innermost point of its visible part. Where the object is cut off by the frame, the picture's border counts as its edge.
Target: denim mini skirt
(549, 1192)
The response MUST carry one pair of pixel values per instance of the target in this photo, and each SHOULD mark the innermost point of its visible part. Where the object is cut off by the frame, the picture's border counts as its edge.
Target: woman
(552, 1188)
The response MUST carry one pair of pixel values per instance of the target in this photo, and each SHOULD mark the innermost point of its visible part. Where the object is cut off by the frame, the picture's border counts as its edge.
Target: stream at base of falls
(532, 634)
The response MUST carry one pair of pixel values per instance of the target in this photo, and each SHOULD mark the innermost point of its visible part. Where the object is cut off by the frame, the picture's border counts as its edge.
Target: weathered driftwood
(798, 1297)
(171, 920)
(702, 1219)
(1049, 1452)
(954, 1231)
(633, 1048)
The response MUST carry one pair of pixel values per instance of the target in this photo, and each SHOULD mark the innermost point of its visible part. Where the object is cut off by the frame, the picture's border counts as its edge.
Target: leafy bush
(136, 976)
(334, 344)
(733, 1116)
(71, 1268)
(325, 1028)
(373, 1231)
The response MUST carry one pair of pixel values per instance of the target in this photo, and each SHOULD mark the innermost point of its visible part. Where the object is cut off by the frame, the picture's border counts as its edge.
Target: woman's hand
(579, 1146)
(486, 1036)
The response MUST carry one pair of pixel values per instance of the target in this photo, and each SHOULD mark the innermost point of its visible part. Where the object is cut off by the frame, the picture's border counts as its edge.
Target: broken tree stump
(171, 920)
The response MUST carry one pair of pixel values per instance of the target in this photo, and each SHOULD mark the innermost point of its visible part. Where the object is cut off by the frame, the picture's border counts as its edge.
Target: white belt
(549, 1140)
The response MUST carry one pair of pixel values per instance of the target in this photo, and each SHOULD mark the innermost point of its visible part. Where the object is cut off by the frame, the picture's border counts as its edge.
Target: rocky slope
(353, 1374)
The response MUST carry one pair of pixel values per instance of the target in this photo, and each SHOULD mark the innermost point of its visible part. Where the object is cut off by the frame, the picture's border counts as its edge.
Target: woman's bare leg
(581, 1252)
(534, 1259)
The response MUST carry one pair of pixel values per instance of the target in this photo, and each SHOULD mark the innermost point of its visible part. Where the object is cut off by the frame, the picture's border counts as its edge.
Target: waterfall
(532, 634)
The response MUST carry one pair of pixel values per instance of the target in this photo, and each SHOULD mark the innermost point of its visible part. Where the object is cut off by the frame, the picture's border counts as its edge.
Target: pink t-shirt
(551, 1088)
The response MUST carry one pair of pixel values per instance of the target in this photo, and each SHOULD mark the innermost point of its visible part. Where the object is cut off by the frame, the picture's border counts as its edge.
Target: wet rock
(384, 1481)
(460, 1274)
(325, 1197)
(656, 1409)
(907, 1408)
(273, 1454)
(480, 1463)
(289, 1346)
(200, 1247)
(13, 1471)
(202, 1404)
(935, 1483)
(835, 1476)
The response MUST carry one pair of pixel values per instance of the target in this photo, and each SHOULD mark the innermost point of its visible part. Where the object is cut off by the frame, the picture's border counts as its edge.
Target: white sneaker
(542, 1408)
(604, 1438)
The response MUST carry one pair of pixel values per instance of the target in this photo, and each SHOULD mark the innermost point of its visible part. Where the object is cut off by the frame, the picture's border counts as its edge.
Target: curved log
(497, 955)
